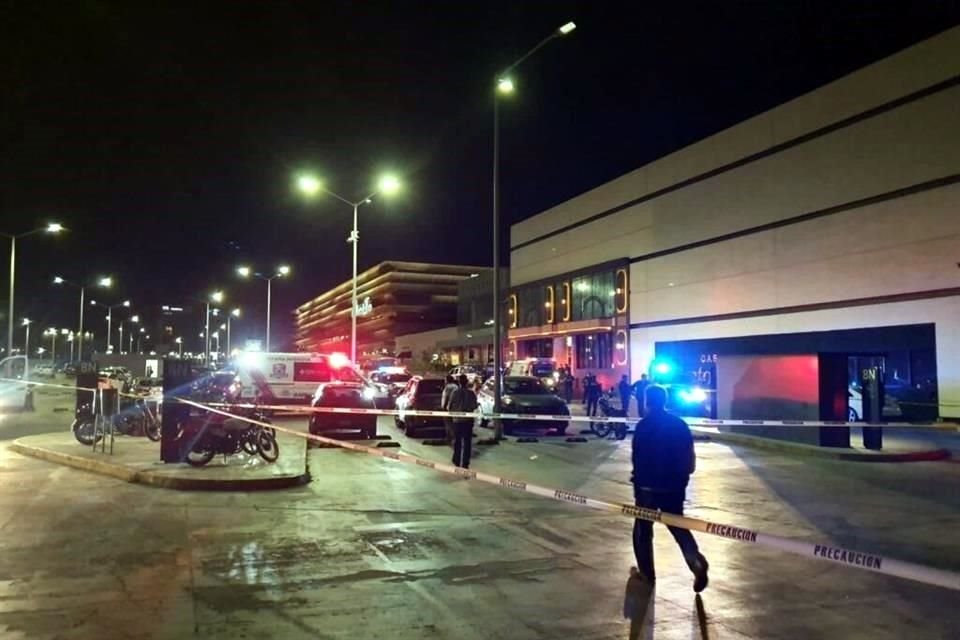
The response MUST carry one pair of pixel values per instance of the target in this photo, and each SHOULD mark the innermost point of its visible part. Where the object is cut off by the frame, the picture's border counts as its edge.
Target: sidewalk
(137, 460)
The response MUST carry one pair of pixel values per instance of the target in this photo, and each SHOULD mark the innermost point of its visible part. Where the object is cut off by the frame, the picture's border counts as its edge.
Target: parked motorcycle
(604, 429)
(134, 420)
(231, 436)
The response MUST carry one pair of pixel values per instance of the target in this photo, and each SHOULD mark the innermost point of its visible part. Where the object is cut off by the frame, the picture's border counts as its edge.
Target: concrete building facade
(838, 210)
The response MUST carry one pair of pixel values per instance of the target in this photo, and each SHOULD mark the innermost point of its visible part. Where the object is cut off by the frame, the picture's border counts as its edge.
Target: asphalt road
(373, 548)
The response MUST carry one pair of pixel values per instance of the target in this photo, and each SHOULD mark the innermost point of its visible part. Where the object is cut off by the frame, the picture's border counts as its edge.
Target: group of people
(662, 454)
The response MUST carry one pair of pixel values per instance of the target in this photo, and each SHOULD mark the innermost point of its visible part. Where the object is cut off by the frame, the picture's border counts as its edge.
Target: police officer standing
(463, 399)
(663, 460)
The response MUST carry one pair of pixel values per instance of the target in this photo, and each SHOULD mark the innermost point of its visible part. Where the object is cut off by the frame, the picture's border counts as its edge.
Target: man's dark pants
(668, 502)
(462, 442)
(592, 407)
(625, 403)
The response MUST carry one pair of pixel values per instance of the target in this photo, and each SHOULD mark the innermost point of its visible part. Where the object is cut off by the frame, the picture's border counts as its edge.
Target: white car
(46, 370)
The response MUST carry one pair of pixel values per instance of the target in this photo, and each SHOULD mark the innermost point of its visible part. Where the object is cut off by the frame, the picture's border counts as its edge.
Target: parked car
(393, 379)
(350, 395)
(471, 371)
(149, 386)
(523, 394)
(420, 394)
(46, 370)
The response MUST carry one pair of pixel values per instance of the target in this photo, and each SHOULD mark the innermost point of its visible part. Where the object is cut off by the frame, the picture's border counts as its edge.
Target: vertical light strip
(566, 302)
(550, 304)
(623, 291)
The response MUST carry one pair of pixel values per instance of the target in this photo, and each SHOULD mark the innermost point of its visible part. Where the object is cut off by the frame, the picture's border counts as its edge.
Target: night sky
(166, 135)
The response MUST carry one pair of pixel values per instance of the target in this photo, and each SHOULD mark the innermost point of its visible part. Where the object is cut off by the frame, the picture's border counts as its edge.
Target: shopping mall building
(825, 230)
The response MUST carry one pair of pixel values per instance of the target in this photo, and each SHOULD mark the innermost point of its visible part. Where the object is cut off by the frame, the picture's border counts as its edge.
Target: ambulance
(289, 378)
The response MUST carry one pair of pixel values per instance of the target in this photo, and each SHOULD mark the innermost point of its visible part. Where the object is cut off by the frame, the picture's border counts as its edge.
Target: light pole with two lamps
(110, 308)
(282, 272)
(310, 186)
(217, 297)
(53, 227)
(105, 283)
(26, 340)
(504, 85)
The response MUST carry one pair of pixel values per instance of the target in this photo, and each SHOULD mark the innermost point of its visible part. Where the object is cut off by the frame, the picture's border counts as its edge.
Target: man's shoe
(700, 568)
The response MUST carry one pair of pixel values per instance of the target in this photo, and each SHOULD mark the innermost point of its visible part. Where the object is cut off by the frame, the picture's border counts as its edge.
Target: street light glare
(217, 296)
(54, 227)
(567, 28)
(244, 272)
(235, 313)
(308, 184)
(505, 86)
(283, 270)
(134, 318)
(389, 185)
(126, 303)
(26, 321)
(57, 280)
(105, 282)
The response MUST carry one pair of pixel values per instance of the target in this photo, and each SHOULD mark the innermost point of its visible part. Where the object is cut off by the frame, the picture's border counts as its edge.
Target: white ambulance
(289, 378)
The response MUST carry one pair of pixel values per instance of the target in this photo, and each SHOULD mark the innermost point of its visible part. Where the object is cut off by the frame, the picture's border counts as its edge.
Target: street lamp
(52, 334)
(70, 339)
(26, 341)
(110, 308)
(388, 185)
(216, 336)
(235, 313)
(216, 296)
(53, 227)
(179, 343)
(281, 272)
(504, 85)
(134, 319)
(104, 282)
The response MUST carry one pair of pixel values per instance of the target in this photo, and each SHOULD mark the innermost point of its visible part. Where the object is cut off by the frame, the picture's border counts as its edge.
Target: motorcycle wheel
(267, 447)
(621, 431)
(249, 445)
(199, 458)
(602, 429)
(84, 431)
(152, 429)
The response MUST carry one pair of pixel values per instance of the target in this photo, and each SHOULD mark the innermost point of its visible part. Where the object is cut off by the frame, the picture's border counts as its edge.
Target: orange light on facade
(513, 311)
(622, 291)
(551, 316)
(566, 302)
(621, 351)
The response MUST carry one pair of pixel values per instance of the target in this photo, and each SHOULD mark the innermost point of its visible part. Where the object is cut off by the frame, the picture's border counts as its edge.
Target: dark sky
(166, 135)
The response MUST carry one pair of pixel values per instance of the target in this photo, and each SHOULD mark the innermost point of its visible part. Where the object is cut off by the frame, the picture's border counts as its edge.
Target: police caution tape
(827, 553)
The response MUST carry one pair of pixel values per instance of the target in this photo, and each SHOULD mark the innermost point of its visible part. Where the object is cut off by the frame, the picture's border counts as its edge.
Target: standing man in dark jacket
(625, 389)
(640, 390)
(663, 459)
(591, 394)
(463, 399)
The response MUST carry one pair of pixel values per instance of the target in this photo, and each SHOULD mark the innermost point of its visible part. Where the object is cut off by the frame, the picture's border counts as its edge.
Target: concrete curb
(797, 448)
(163, 481)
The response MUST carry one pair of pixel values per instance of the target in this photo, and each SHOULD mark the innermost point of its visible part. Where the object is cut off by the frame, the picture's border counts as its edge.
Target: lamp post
(26, 341)
(70, 339)
(216, 336)
(179, 342)
(235, 313)
(105, 283)
(216, 296)
(134, 319)
(310, 186)
(503, 85)
(53, 227)
(140, 339)
(110, 308)
(52, 334)
(281, 272)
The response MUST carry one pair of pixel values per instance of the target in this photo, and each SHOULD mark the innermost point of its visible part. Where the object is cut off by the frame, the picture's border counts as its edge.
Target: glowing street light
(388, 185)
(110, 308)
(503, 85)
(179, 343)
(281, 271)
(53, 227)
(217, 297)
(104, 282)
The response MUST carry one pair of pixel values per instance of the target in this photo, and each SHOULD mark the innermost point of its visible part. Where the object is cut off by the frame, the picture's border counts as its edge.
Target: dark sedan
(524, 395)
(348, 395)
(420, 394)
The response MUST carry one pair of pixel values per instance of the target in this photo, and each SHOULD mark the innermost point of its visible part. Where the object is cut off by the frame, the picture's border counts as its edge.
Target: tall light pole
(70, 339)
(503, 85)
(233, 314)
(53, 227)
(216, 296)
(281, 272)
(310, 186)
(105, 283)
(110, 308)
(26, 340)
(52, 334)
(179, 342)
(134, 319)
(140, 339)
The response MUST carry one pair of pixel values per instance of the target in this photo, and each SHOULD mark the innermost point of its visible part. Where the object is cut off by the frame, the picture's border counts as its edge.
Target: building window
(594, 296)
(594, 351)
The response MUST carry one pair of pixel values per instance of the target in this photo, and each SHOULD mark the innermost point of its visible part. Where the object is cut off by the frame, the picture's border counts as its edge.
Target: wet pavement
(373, 548)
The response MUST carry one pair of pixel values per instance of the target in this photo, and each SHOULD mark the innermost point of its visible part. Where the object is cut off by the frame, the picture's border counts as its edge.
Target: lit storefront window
(594, 351)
